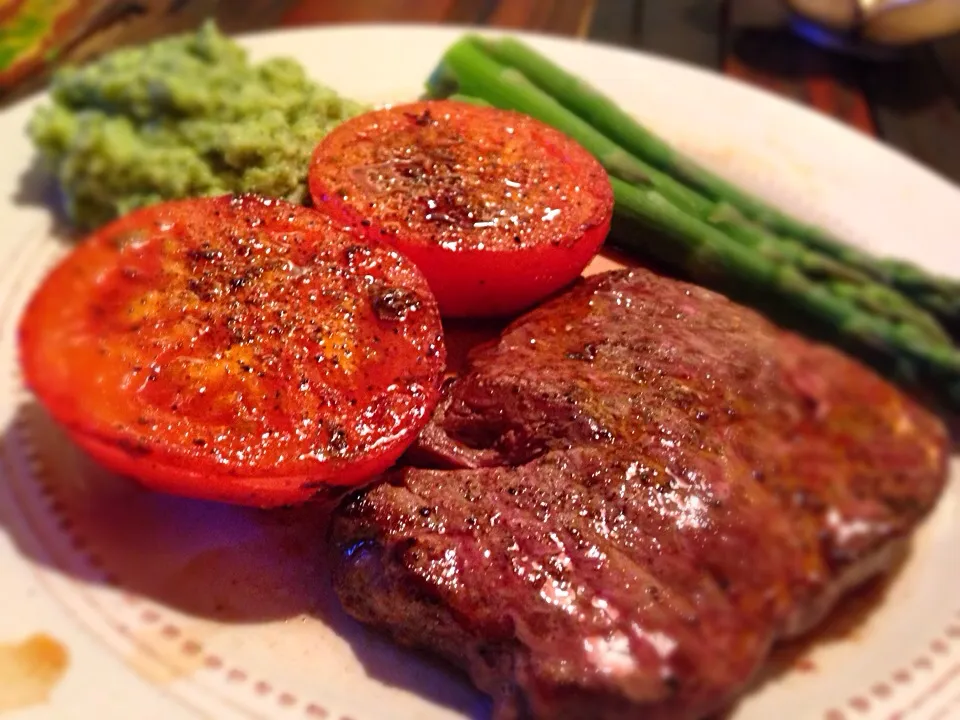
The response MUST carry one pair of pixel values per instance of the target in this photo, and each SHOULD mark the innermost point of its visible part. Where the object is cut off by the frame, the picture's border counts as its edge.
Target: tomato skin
(236, 349)
(263, 491)
(497, 209)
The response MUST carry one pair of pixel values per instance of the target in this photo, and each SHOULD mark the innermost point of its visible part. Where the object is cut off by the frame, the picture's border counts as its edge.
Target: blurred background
(889, 68)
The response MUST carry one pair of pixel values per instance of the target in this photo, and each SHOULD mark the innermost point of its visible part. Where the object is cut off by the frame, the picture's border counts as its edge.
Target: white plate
(118, 603)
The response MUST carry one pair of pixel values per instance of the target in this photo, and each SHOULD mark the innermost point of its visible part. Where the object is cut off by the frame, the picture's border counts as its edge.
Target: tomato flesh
(239, 349)
(497, 209)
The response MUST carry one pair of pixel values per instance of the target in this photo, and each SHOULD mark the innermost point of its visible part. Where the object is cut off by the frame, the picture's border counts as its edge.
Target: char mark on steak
(643, 486)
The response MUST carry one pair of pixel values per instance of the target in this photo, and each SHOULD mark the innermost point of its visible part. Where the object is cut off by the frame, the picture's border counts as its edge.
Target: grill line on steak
(636, 491)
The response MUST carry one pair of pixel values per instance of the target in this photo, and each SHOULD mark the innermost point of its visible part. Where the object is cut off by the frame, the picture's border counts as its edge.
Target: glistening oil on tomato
(497, 209)
(235, 348)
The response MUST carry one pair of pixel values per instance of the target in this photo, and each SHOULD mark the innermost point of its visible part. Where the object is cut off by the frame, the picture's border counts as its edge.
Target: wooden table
(911, 102)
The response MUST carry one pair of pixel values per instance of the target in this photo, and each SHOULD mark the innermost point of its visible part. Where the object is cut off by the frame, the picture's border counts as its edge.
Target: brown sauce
(30, 670)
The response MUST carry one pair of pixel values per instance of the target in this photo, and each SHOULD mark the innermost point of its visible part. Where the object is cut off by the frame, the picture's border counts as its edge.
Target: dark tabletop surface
(910, 101)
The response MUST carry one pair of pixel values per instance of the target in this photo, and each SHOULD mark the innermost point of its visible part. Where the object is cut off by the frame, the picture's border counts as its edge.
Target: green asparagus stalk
(442, 82)
(939, 295)
(705, 253)
(468, 99)
(478, 75)
(942, 300)
(856, 286)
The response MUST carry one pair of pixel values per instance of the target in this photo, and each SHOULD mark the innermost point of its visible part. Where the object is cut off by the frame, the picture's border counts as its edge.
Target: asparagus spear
(937, 294)
(468, 99)
(442, 82)
(854, 285)
(478, 75)
(704, 253)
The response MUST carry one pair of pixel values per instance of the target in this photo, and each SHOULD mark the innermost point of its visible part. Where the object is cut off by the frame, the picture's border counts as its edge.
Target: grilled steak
(635, 492)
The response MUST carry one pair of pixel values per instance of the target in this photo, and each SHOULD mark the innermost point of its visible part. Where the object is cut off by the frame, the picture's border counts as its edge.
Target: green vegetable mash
(184, 116)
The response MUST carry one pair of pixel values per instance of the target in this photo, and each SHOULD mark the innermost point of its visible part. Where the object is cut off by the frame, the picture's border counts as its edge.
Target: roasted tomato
(237, 349)
(497, 209)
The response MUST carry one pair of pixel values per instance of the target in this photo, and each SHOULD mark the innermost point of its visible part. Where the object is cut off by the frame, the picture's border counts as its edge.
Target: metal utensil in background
(873, 24)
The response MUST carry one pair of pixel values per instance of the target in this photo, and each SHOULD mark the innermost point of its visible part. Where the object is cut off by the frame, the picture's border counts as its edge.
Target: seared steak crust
(639, 488)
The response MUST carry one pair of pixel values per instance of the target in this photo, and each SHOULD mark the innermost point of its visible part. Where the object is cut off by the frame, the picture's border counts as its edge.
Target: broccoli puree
(184, 116)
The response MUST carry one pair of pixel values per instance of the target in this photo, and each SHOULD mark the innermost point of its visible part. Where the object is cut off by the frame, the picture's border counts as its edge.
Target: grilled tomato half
(497, 209)
(235, 348)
